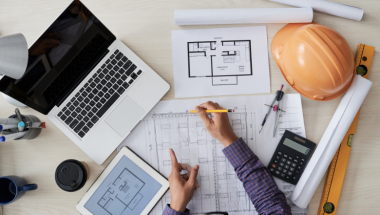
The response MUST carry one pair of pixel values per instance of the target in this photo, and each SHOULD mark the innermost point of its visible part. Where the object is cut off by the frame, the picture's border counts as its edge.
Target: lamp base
(14, 102)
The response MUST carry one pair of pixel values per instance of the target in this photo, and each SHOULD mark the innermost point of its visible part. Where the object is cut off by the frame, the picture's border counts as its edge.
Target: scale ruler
(337, 169)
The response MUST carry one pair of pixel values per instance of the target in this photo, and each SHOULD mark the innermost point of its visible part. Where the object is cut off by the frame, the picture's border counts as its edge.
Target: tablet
(128, 185)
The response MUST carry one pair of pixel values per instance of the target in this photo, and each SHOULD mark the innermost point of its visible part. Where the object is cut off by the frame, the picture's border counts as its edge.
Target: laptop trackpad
(125, 116)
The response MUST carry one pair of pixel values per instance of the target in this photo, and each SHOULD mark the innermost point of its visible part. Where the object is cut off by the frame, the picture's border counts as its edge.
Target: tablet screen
(126, 190)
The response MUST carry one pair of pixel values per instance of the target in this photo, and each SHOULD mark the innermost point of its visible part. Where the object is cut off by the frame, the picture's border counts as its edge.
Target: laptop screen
(60, 58)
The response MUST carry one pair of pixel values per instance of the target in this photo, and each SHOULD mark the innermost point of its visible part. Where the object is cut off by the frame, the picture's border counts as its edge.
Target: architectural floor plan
(186, 134)
(222, 61)
(116, 202)
(170, 125)
(126, 190)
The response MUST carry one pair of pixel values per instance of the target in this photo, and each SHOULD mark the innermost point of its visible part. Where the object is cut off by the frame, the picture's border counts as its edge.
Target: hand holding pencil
(215, 111)
(219, 125)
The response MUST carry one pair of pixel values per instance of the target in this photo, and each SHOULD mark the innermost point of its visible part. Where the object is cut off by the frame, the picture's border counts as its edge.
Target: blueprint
(222, 61)
(170, 125)
(126, 190)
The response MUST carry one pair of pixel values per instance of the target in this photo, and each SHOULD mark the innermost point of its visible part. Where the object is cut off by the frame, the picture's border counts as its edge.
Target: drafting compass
(279, 95)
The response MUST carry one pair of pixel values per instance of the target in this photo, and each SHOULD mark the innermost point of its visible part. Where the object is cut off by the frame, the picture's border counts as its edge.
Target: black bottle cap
(71, 175)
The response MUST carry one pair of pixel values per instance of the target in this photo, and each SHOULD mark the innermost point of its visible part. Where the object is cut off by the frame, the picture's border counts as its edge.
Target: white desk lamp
(13, 59)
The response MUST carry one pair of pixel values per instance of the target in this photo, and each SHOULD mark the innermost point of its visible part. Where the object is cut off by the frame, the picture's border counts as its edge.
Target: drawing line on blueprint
(220, 189)
(187, 136)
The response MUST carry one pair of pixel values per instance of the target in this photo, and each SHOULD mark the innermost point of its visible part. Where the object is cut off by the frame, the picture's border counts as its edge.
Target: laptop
(90, 85)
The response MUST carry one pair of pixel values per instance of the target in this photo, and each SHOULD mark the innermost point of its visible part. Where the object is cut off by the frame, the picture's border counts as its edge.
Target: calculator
(291, 157)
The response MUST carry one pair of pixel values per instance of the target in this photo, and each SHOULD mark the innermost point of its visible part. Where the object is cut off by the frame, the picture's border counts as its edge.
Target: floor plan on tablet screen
(170, 125)
(126, 191)
(221, 61)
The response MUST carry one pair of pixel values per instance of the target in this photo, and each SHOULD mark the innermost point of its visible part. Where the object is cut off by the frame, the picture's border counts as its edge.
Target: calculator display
(296, 146)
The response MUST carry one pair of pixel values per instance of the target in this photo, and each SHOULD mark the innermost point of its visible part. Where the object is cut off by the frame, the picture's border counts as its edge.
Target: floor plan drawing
(171, 125)
(222, 61)
(115, 203)
(186, 134)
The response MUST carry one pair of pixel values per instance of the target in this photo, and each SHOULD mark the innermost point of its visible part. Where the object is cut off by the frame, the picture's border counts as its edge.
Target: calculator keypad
(287, 167)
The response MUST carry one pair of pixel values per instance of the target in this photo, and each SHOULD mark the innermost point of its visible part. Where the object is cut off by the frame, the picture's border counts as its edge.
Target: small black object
(291, 157)
(71, 175)
(279, 95)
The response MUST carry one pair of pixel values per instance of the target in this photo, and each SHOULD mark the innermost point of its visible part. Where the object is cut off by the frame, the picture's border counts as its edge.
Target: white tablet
(128, 185)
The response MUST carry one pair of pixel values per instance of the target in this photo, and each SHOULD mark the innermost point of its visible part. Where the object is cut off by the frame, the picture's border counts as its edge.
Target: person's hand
(182, 187)
(44, 45)
(218, 126)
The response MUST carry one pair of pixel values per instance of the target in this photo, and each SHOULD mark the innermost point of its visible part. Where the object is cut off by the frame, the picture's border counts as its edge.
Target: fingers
(193, 176)
(203, 115)
(186, 167)
(209, 105)
(218, 106)
(174, 162)
(185, 176)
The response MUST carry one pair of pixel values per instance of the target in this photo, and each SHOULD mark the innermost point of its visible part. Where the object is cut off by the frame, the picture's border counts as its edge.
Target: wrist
(229, 140)
(177, 208)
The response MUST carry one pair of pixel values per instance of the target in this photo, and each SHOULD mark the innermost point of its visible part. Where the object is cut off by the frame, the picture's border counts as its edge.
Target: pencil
(215, 111)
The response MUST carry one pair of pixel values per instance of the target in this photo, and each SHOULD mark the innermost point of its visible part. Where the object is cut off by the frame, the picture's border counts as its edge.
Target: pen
(5, 133)
(21, 124)
(35, 125)
(9, 121)
(5, 127)
(18, 114)
(215, 111)
(12, 136)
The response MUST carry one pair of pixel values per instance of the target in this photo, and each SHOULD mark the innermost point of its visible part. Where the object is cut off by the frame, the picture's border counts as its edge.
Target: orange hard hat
(314, 59)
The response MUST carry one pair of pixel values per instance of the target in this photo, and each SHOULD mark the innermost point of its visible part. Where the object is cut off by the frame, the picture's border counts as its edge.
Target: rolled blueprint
(330, 142)
(336, 9)
(241, 16)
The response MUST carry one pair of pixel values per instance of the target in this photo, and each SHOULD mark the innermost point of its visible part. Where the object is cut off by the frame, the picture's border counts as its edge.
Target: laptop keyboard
(99, 93)
(73, 70)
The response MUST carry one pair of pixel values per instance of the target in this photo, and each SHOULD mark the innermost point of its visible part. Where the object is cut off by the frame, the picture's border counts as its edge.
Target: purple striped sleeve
(169, 211)
(257, 180)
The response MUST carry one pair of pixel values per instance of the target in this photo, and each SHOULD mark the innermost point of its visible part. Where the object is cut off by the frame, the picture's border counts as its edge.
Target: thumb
(193, 176)
(203, 115)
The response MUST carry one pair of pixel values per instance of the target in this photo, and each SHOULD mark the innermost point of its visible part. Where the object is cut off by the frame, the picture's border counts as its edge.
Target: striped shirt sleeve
(257, 180)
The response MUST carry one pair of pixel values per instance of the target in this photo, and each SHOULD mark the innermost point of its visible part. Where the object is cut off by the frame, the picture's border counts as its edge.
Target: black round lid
(71, 175)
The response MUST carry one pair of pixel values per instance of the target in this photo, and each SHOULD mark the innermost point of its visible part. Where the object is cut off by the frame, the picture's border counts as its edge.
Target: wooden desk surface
(145, 26)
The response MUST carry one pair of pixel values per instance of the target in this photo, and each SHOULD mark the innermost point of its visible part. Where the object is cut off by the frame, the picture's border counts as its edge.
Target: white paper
(244, 15)
(330, 142)
(170, 125)
(336, 9)
(220, 61)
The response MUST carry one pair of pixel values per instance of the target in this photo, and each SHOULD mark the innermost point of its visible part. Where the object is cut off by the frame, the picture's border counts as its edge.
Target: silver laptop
(91, 86)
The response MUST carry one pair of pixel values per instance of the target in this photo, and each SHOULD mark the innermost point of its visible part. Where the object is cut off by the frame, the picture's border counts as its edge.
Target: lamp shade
(13, 55)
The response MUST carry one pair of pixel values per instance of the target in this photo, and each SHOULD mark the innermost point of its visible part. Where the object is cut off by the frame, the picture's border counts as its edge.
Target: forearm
(257, 180)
